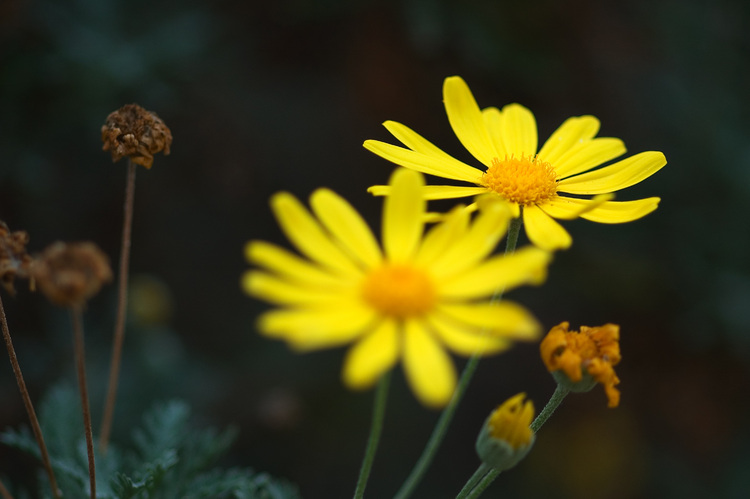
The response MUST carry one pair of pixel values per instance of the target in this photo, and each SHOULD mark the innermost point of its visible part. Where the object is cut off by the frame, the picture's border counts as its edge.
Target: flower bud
(506, 438)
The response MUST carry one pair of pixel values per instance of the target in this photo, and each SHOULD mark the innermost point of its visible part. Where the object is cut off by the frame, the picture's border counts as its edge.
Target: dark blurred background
(264, 96)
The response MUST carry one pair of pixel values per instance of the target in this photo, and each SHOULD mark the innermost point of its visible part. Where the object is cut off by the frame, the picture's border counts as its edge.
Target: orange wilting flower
(597, 349)
(135, 132)
(14, 261)
(70, 274)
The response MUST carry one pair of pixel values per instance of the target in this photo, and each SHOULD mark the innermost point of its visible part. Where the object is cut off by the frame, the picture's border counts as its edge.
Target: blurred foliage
(263, 96)
(167, 457)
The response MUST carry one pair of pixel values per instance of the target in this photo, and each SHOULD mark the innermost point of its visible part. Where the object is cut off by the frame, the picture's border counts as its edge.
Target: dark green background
(264, 96)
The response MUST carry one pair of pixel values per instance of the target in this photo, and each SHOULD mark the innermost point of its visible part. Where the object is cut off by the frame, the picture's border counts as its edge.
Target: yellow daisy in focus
(412, 300)
(505, 142)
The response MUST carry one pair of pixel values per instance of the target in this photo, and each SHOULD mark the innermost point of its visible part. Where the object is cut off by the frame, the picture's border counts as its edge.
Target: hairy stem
(378, 414)
(29, 407)
(80, 357)
(122, 303)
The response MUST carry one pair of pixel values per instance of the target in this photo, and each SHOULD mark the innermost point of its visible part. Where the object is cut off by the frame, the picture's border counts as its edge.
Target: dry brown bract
(14, 261)
(70, 274)
(135, 132)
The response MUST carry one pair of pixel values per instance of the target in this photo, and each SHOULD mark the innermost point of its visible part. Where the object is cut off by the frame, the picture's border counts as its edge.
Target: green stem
(554, 402)
(428, 454)
(486, 481)
(378, 414)
(478, 474)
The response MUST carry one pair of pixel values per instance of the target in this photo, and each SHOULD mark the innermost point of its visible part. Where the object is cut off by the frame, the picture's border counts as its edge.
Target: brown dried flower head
(70, 274)
(135, 132)
(14, 261)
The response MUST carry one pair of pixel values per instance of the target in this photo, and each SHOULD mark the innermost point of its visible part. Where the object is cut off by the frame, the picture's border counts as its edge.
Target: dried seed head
(70, 274)
(14, 261)
(135, 132)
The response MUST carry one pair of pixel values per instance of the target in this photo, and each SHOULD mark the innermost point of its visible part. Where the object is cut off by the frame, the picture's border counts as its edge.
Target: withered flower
(135, 132)
(70, 274)
(14, 261)
(580, 360)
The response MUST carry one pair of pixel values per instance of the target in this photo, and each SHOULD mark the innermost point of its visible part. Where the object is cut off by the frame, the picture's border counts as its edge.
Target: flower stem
(29, 406)
(122, 302)
(554, 402)
(5, 494)
(428, 454)
(378, 413)
(471, 483)
(80, 356)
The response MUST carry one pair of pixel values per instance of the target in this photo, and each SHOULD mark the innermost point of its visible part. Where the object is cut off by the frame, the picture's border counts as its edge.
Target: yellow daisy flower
(412, 300)
(505, 142)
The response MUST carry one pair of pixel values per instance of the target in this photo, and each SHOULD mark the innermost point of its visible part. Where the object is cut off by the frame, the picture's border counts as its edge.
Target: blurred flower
(595, 349)
(14, 261)
(505, 142)
(412, 300)
(135, 132)
(70, 274)
(506, 437)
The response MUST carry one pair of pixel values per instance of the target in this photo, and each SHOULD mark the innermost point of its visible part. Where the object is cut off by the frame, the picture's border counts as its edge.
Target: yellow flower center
(525, 180)
(399, 291)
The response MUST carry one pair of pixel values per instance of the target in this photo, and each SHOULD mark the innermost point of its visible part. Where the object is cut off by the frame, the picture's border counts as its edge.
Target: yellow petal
(274, 290)
(502, 319)
(615, 177)
(493, 120)
(526, 266)
(519, 131)
(315, 328)
(588, 154)
(615, 212)
(429, 369)
(431, 165)
(465, 341)
(403, 213)
(431, 192)
(452, 228)
(414, 141)
(289, 265)
(573, 131)
(307, 235)
(467, 121)
(565, 208)
(477, 243)
(543, 231)
(347, 226)
(372, 356)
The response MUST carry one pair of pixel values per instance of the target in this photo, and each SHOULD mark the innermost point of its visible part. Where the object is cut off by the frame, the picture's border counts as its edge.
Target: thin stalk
(4, 492)
(554, 402)
(80, 356)
(486, 481)
(29, 406)
(438, 433)
(473, 481)
(122, 304)
(378, 413)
